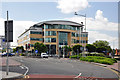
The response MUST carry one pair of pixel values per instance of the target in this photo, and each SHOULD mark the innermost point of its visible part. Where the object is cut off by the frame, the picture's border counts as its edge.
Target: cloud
(18, 28)
(99, 28)
(97, 23)
(69, 6)
(99, 16)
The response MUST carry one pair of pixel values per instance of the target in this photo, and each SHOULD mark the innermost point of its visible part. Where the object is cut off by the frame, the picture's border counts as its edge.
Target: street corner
(11, 75)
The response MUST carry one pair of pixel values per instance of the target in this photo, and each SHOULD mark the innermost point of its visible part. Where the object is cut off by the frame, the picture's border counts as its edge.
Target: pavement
(11, 63)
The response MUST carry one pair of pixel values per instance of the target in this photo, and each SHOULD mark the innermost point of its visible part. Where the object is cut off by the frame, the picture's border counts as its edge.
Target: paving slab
(11, 62)
(10, 74)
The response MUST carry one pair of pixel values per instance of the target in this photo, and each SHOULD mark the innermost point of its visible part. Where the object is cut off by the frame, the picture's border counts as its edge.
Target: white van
(44, 55)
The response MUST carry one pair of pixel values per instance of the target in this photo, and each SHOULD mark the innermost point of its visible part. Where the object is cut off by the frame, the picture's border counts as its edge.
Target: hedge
(97, 59)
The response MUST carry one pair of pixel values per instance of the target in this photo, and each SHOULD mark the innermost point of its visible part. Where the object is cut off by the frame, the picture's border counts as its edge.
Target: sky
(102, 17)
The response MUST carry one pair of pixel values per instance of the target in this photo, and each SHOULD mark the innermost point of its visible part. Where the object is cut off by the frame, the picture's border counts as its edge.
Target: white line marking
(21, 60)
(78, 75)
(72, 66)
(21, 67)
(26, 71)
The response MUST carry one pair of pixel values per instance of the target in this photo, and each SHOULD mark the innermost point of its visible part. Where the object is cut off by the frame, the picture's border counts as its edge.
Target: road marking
(72, 66)
(26, 76)
(21, 67)
(37, 60)
(26, 71)
(78, 75)
(21, 60)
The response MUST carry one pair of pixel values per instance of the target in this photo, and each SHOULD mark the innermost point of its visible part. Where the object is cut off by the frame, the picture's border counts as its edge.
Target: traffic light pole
(7, 62)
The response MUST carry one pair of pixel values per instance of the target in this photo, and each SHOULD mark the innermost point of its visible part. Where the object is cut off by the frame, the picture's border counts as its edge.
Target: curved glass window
(57, 26)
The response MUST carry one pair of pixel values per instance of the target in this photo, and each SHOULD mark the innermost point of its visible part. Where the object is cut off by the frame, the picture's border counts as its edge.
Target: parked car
(44, 55)
(5, 54)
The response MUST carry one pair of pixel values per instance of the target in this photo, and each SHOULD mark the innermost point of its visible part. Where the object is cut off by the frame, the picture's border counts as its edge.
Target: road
(60, 67)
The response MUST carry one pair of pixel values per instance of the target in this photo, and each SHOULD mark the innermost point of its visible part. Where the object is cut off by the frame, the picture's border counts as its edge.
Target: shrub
(98, 59)
(75, 56)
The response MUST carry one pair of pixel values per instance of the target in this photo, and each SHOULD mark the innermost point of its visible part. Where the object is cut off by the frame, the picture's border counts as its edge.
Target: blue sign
(3, 40)
(36, 51)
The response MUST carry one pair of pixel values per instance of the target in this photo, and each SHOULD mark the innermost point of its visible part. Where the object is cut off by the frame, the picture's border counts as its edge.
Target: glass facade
(61, 27)
(77, 35)
(50, 33)
(35, 32)
(36, 39)
(50, 39)
(63, 38)
(75, 41)
(51, 49)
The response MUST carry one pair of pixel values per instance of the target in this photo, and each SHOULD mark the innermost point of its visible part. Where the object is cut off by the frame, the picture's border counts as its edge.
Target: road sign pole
(7, 62)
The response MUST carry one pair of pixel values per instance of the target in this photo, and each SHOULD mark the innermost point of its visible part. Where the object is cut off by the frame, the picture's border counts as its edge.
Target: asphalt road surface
(54, 66)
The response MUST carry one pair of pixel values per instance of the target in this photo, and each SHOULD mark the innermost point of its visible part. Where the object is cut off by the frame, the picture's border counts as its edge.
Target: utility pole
(7, 62)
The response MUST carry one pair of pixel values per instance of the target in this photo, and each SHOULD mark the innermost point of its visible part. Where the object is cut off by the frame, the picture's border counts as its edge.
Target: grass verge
(98, 59)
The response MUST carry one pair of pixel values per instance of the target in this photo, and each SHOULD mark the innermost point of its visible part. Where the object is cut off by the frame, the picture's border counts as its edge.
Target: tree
(18, 48)
(14, 50)
(67, 49)
(102, 46)
(76, 48)
(101, 43)
(40, 47)
(100, 49)
(91, 48)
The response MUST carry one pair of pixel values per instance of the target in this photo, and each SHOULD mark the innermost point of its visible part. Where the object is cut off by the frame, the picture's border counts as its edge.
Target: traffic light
(9, 33)
(26, 46)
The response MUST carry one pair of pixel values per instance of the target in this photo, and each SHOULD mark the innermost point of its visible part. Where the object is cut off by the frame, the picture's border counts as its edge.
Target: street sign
(36, 51)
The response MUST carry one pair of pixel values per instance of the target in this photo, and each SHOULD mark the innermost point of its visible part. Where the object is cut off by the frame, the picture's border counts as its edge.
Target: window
(57, 26)
(46, 26)
(53, 33)
(74, 41)
(35, 32)
(50, 33)
(53, 39)
(36, 39)
(50, 39)
(73, 34)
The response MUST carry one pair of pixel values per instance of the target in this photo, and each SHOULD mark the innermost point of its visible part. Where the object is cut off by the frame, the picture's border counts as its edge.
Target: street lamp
(63, 50)
(85, 25)
(82, 16)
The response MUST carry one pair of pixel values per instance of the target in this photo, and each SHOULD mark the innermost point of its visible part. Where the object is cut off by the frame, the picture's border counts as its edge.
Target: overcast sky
(102, 17)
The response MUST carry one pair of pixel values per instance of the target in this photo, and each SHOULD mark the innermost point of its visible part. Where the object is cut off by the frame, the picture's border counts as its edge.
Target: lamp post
(63, 50)
(85, 25)
(7, 61)
(82, 16)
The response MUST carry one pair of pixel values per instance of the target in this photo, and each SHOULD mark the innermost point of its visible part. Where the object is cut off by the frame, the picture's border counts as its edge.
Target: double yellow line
(26, 76)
